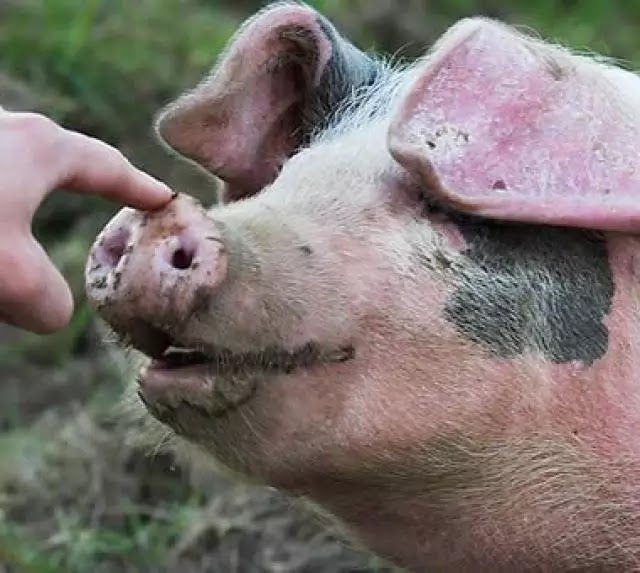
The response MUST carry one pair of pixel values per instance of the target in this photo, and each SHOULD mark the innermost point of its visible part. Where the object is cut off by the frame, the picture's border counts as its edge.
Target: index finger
(92, 166)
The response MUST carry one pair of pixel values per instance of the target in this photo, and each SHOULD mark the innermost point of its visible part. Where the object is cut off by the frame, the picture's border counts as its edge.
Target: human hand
(36, 157)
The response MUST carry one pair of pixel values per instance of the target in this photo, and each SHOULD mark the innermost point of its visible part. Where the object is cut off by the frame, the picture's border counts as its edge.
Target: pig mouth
(180, 384)
(184, 388)
(270, 359)
(169, 355)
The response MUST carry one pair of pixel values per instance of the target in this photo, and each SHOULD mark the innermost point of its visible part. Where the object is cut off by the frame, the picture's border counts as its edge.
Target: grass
(72, 496)
(110, 59)
(138, 542)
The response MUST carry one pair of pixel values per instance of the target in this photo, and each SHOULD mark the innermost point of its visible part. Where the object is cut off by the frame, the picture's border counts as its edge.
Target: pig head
(415, 302)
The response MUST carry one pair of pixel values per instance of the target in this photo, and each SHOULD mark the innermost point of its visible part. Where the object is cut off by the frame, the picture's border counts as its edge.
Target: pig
(414, 304)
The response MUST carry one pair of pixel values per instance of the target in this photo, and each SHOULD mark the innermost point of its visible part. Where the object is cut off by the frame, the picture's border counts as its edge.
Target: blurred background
(75, 494)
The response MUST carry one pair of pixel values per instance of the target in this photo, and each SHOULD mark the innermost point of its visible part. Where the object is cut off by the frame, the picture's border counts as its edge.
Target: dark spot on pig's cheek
(162, 413)
(232, 392)
(307, 250)
(533, 288)
(432, 259)
(423, 258)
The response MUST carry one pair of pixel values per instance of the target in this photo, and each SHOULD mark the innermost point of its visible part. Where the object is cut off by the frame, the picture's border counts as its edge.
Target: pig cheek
(338, 419)
(335, 419)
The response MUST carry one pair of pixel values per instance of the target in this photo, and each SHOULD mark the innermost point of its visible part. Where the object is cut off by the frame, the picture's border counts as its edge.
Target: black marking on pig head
(533, 288)
(349, 70)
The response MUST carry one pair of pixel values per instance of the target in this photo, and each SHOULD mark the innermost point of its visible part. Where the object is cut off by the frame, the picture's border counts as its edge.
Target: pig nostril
(182, 258)
(113, 248)
(182, 252)
(179, 251)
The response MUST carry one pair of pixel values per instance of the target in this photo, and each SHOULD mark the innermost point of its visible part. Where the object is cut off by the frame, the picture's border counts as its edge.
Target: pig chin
(179, 385)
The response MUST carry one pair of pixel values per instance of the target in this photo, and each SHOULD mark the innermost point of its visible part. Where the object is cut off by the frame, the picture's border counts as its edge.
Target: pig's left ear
(505, 127)
(282, 75)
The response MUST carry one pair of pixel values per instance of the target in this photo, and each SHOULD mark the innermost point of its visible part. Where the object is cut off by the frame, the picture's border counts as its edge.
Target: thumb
(33, 293)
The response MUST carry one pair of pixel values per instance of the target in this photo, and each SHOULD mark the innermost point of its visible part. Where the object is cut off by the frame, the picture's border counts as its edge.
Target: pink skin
(37, 156)
(435, 452)
(595, 409)
(236, 151)
(342, 417)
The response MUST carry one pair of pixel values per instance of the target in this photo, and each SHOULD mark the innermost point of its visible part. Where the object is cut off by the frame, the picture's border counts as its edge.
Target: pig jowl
(414, 302)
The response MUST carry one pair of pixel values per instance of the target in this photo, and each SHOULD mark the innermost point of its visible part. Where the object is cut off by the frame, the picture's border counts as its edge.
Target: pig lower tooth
(178, 350)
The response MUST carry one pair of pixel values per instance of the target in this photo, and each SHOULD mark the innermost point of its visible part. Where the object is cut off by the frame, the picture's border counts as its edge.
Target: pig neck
(552, 475)
(558, 487)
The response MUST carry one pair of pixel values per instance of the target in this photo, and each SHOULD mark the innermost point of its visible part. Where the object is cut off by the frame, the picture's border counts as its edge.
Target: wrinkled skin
(459, 391)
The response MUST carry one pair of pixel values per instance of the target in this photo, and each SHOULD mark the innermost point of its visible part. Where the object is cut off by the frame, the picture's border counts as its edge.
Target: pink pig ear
(505, 127)
(283, 73)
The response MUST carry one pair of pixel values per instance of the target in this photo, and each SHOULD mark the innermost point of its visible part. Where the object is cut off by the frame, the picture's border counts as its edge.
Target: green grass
(112, 61)
(137, 542)
(21, 553)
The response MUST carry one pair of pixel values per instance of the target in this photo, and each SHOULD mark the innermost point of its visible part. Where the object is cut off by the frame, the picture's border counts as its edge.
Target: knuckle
(117, 158)
(119, 164)
(36, 132)
(32, 125)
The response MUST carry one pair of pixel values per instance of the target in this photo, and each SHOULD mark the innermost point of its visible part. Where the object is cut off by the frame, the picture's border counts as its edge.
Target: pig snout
(148, 270)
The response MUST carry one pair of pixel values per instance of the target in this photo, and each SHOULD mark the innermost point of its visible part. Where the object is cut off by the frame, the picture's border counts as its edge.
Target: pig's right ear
(283, 74)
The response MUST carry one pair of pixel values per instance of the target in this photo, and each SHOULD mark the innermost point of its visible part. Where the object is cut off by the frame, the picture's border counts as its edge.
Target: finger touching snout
(93, 166)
